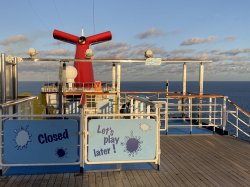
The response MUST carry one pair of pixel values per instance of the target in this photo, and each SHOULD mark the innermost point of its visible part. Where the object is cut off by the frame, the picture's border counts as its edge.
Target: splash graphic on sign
(61, 152)
(144, 127)
(132, 144)
(22, 138)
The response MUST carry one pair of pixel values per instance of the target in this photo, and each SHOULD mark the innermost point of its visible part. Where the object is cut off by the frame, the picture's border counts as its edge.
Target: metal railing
(239, 120)
(77, 87)
(181, 111)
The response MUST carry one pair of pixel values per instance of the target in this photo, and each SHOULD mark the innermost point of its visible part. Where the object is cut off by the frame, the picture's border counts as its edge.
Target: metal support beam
(148, 111)
(1, 132)
(201, 80)
(118, 86)
(113, 76)
(184, 86)
(142, 109)
(14, 83)
(3, 78)
(184, 80)
(131, 107)
(224, 122)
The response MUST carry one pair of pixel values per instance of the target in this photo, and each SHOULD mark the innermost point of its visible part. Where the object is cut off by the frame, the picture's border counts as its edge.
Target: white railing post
(158, 151)
(224, 121)
(141, 109)
(166, 116)
(131, 108)
(184, 87)
(82, 137)
(136, 108)
(3, 78)
(166, 107)
(215, 110)
(148, 111)
(237, 122)
(201, 92)
(19, 110)
(210, 111)
(1, 132)
(190, 114)
(113, 76)
(118, 87)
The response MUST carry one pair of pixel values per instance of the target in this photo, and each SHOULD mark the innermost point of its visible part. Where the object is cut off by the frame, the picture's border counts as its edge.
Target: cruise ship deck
(186, 160)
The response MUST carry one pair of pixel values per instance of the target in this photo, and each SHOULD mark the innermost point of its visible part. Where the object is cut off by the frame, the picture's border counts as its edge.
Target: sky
(216, 30)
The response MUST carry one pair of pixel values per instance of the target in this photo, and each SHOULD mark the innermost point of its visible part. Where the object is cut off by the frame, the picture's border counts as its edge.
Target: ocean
(238, 92)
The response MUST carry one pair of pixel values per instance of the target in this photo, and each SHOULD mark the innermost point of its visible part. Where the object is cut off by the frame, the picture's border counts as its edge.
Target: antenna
(82, 32)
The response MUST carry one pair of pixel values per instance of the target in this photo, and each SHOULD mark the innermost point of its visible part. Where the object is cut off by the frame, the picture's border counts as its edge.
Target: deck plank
(118, 179)
(125, 179)
(4, 180)
(137, 177)
(65, 180)
(79, 181)
(52, 180)
(98, 179)
(201, 163)
(105, 179)
(112, 180)
(191, 160)
(31, 180)
(71, 179)
(11, 180)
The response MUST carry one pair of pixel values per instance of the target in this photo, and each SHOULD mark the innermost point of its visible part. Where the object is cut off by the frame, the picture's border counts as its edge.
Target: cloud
(57, 52)
(152, 32)
(181, 51)
(230, 38)
(111, 46)
(138, 51)
(196, 40)
(57, 43)
(234, 52)
(113, 50)
(14, 39)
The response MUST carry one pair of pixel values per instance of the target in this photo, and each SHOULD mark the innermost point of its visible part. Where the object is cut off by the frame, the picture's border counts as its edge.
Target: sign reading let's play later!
(121, 139)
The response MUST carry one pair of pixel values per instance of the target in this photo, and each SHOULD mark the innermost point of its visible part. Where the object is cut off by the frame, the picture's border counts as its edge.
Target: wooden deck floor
(192, 160)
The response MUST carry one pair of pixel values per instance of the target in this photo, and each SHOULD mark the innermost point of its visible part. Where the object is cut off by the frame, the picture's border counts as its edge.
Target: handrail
(176, 94)
(18, 101)
(239, 108)
(239, 120)
(115, 60)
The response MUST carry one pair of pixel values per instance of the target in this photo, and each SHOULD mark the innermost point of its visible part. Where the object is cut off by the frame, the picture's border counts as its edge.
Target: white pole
(136, 108)
(201, 92)
(113, 77)
(184, 82)
(166, 107)
(201, 78)
(142, 109)
(148, 111)
(3, 78)
(184, 86)
(82, 141)
(1, 129)
(210, 111)
(131, 108)
(118, 88)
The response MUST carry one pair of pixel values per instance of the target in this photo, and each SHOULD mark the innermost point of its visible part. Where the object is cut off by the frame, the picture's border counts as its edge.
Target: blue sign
(122, 139)
(40, 141)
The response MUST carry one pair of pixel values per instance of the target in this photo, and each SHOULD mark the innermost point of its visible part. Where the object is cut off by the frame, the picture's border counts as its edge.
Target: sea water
(238, 92)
